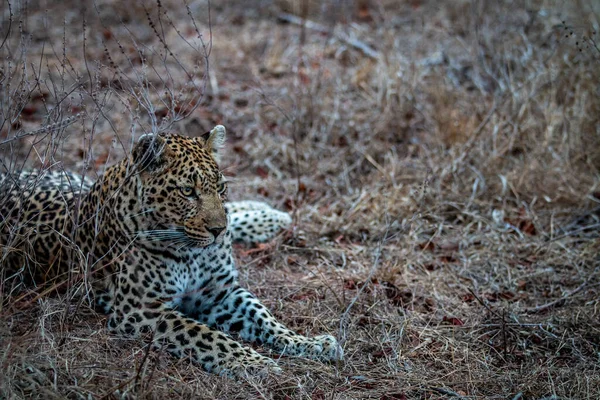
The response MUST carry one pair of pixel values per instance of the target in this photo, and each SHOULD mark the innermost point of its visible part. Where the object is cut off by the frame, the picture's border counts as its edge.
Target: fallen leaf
(260, 247)
(364, 14)
(382, 352)
(292, 260)
(431, 267)
(522, 222)
(397, 297)
(429, 304)
(527, 227)
(239, 149)
(304, 78)
(240, 102)
(161, 112)
(447, 259)
(453, 321)
(262, 172)
(467, 297)
(349, 284)
(429, 245)
(28, 111)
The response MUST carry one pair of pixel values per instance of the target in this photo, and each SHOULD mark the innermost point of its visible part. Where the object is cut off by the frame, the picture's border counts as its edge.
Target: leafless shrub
(74, 94)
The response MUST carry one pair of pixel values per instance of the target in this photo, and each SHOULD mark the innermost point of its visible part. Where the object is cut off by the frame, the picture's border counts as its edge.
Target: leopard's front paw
(331, 349)
(250, 363)
(324, 348)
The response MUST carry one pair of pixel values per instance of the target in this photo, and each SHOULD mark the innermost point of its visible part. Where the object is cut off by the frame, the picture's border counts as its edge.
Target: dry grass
(445, 191)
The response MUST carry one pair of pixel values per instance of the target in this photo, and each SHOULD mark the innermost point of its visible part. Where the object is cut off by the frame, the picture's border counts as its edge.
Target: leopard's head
(181, 189)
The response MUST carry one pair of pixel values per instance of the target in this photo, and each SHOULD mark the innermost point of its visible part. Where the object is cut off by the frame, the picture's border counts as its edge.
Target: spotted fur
(153, 234)
(255, 221)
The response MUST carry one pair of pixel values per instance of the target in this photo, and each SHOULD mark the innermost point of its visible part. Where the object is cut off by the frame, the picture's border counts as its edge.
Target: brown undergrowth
(441, 161)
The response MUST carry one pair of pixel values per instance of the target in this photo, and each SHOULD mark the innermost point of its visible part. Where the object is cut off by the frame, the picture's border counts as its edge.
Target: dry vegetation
(441, 160)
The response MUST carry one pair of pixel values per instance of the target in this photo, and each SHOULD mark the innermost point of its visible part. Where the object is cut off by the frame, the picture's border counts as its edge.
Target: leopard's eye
(221, 187)
(187, 191)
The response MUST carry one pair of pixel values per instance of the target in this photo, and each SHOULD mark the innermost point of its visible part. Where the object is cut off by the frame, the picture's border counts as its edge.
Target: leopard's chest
(197, 274)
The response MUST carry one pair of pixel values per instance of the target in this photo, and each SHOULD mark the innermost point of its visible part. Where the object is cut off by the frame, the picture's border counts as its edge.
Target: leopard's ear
(149, 154)
(214, 140)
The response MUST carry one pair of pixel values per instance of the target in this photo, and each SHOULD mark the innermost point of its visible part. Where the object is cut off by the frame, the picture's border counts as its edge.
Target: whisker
(166, 232)
(174, 237)
(188, 242)
(162, 236)
(159, 231)
(156, 235)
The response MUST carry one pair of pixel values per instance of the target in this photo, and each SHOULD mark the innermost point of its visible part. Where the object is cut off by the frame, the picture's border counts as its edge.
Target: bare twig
(446, 392)
(561, 299)
(341, 36)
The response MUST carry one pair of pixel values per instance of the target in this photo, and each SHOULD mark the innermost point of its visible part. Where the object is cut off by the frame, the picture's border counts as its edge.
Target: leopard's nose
(216, 231)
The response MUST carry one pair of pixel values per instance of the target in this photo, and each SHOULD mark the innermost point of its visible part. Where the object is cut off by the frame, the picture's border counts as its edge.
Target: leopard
(154, 235)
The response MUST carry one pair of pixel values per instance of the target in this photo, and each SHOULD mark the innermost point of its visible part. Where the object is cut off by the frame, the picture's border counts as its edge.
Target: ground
(440, 159)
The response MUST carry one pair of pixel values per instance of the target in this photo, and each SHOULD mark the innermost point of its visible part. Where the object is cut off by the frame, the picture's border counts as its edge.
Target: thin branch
(341, 36)
(561, 299)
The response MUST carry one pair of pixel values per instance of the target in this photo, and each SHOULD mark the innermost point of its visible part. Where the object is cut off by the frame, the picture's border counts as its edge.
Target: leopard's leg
(143, 303)
(185, 337)
(253, 226)
(241, 312)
